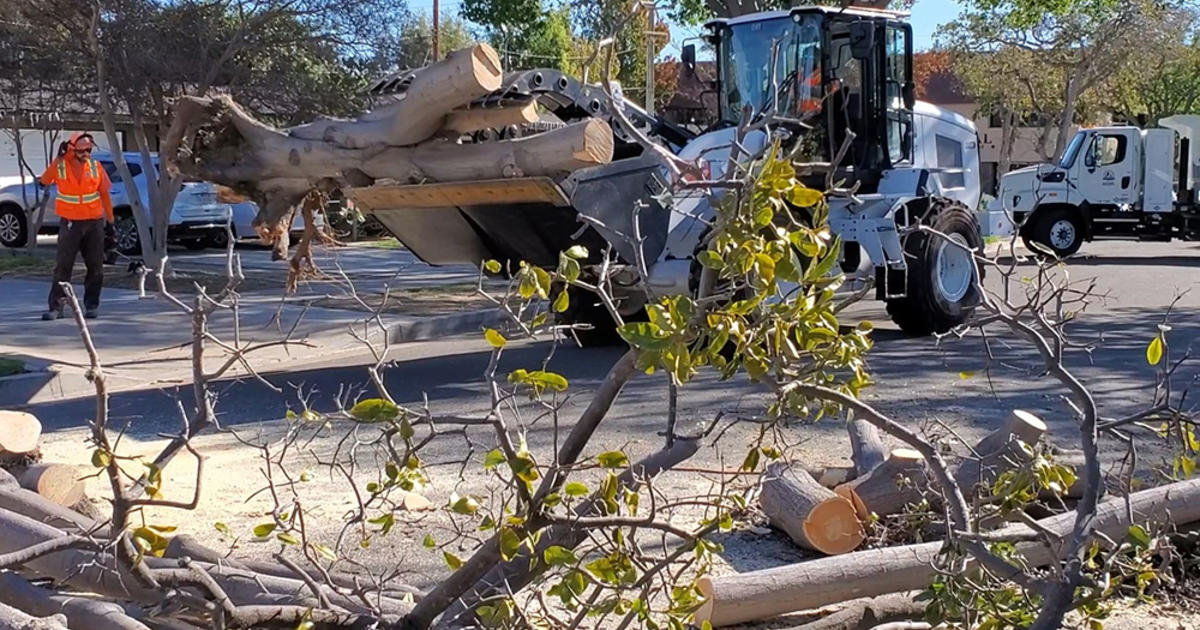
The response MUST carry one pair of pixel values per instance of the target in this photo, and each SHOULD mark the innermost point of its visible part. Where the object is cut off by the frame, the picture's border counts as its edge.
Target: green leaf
(966, 374)
(100, 458)
(711, 259)
(1154, 351)
(287, 539)
(452, 561)
(562, 302)
(429, 543)
(492, 266)
(463, 505)
(375, 410)
(222, 528)
(644, 335)
(804, 197)
(751, 461)
(325, 551)
(575, 489)
(612, 459)
(1139, 536)
(557, 555)
(494, 338)
(385, 522)
(494, 458)
(577, 252)
(510, 543)
(264, 530)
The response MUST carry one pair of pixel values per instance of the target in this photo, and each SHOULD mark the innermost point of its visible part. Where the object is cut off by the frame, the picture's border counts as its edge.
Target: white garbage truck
(1118, 182)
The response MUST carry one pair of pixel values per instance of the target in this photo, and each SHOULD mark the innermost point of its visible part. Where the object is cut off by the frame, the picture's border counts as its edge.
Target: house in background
(941, 87)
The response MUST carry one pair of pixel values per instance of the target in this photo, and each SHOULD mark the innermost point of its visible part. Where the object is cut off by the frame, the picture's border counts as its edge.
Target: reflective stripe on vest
(79, 199)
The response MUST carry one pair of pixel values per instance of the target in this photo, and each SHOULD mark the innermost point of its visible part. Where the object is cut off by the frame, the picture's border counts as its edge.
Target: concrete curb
(436, 327)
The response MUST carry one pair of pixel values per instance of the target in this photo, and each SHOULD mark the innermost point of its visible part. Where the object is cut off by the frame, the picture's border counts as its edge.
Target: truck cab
(1117, 182)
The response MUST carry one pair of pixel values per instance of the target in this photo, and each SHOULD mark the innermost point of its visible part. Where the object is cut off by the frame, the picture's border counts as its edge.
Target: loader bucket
(525, 219)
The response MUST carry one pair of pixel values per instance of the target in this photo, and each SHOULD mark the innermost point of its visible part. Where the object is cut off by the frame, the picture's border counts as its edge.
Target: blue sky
(927, 16)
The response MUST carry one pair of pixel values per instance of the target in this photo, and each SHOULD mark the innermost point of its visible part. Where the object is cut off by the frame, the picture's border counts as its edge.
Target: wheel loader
(848, 72)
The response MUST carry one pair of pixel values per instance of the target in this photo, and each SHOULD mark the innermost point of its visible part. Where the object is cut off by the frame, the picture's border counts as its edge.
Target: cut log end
(19, 433)
(833, 527)
(485, 64)
(596, 146)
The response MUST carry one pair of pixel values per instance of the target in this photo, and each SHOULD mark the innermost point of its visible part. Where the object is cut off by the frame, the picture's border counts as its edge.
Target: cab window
(950, 157)
(114, 176)
(1106, 150)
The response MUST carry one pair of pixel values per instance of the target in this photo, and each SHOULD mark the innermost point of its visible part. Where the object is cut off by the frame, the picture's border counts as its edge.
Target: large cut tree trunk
(403, 139)
(813, 516)
(740, 598)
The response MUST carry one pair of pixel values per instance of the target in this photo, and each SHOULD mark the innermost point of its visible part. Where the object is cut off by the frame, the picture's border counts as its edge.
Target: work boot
(52, 315)
(91, 313)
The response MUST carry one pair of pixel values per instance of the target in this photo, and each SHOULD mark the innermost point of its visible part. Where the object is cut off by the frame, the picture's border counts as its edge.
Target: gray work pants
(74, 238)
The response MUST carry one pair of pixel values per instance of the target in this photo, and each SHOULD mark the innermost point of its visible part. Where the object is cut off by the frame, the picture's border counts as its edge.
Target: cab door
(1106, 173)
(898, 91)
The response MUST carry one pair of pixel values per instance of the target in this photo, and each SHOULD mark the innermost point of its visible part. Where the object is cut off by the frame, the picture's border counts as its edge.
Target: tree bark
(80, 612)
(741, 598)
(869, 613)
(901, 480)
(467, 120)
(59, 483)
(463, 76)
(866, 445)
(13, 619)
(814, 517)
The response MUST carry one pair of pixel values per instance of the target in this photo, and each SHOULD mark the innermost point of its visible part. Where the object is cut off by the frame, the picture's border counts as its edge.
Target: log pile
(881, 483)
(416, 136)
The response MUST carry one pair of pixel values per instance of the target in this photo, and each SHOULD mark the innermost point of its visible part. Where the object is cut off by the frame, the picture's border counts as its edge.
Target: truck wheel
(1059, 229)
(942, 278)
(13, 230)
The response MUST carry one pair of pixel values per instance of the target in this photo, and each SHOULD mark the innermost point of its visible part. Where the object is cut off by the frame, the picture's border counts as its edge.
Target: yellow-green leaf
(804, 197)
(492, 266)
(966, 374)
(612, 459)
(264, 530)
(1154, 351)
(577, 251)
(452, 560)
(562, 302)
(287, 539)
(556, 555)
(375, 410)
(429, 543)
(100, 458)
(494, 338)
(575, 489)
(510, 543)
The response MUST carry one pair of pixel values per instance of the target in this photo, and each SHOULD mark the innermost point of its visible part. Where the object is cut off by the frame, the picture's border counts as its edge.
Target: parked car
(243, 219)
(197, 219)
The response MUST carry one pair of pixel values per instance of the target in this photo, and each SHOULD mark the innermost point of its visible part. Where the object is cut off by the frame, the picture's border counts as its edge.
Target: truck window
(1107, 150)
(1072, 151)
(950, 156)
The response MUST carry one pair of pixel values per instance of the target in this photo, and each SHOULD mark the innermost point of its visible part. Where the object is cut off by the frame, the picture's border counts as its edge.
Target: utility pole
(649, 62)
(435, 29)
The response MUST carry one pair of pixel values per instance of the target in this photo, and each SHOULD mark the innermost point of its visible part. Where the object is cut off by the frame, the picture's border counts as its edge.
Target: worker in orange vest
(84, 210)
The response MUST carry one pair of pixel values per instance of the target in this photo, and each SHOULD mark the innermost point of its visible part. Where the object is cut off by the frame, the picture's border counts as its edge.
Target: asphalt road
(918, 379)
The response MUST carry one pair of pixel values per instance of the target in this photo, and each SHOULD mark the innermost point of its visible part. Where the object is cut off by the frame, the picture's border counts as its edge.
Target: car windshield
(746, 59)
(1072, 150)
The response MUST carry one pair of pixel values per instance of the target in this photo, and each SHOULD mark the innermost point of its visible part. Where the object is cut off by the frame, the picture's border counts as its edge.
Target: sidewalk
(146, 343)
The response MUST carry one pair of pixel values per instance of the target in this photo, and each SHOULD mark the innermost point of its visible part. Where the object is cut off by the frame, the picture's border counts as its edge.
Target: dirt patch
(419, 301)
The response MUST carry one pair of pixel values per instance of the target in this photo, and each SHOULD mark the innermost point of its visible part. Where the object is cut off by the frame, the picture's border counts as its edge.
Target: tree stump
(813, 516)
(889, 487)
(57, 482)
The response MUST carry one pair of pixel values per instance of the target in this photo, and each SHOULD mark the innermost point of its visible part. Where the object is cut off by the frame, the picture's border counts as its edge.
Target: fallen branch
(763, 594)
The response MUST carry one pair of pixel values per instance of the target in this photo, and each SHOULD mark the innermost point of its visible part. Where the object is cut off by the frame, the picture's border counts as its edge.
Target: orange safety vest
(79, 199)
(813, 83)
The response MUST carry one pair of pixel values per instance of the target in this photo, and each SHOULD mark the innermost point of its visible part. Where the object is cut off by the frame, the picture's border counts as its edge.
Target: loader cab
(847, 73)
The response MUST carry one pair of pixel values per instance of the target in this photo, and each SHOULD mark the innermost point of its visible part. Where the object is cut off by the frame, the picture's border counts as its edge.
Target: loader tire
(943, 280)
(585, 308)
